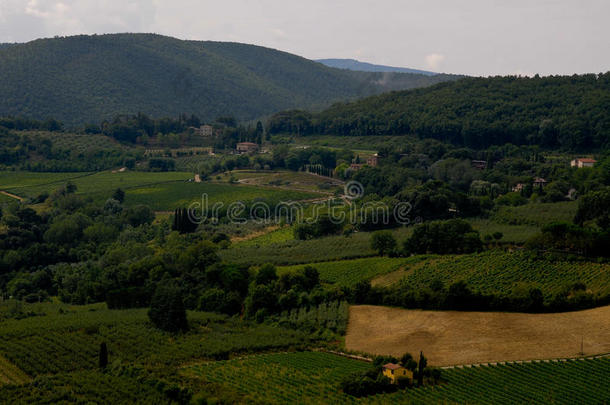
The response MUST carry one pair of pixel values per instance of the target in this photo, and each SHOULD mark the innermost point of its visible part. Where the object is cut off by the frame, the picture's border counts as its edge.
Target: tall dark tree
(421, 366)
(119, 195)
(103, 356)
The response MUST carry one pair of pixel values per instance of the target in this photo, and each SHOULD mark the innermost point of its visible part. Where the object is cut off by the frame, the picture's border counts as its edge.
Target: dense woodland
(84, 79)
(568, 112)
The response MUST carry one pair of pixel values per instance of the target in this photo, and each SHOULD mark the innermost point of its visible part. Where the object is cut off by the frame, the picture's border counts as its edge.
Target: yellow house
(393, 371)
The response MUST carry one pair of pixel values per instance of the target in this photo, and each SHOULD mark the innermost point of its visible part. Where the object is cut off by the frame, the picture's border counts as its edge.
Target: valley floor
(452, 337)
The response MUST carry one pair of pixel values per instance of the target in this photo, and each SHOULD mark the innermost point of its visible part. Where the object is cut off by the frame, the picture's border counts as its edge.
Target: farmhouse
(583, 162)
(539, 182)
(479, 164)
(246, 147)
(373, 160)
(204, 130)
(519, 187)
(394, 371)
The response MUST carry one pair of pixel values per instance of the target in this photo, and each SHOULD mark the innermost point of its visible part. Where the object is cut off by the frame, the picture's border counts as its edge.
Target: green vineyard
(313, 377)
(70, 341)
(501, 272)
(350, 272)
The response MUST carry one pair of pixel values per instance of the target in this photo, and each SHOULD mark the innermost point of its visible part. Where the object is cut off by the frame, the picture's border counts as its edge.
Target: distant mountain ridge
(83, 79)
(356, 65)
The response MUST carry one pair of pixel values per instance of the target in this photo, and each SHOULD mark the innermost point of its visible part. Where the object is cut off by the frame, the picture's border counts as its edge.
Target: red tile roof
(392, 366)
(587, 160)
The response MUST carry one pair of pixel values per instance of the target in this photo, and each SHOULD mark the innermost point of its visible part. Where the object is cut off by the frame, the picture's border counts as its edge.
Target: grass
(160, 191)
(313, 377)
(285, 179)
(283, 234)
(350, 272)
(517, 234)
(294, 251)
(537, 214)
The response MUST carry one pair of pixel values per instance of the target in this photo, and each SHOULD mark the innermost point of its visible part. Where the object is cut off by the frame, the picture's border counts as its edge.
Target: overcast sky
(477, 37)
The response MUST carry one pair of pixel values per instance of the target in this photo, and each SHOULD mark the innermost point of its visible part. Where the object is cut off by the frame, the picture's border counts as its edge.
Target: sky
(474, 37)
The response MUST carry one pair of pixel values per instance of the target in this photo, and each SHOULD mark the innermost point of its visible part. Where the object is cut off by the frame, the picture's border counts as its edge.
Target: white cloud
(434, 60)
(480, 37)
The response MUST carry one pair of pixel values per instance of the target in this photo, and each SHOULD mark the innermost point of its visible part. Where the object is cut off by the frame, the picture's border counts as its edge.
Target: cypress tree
(103, 355)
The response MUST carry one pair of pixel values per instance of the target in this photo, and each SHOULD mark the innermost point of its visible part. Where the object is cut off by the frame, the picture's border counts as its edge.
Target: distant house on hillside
(539, 182)
(519, 187)
(204, 130)
(356, 166)
(394, 371)
(583, 162)
(373, 160)
(247, 147)
(479, 164)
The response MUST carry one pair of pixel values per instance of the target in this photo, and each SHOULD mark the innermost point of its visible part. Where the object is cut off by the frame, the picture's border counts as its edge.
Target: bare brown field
(453, 337)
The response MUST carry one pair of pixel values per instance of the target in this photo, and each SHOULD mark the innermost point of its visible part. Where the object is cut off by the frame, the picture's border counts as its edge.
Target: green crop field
(500, 272)
(66, 340)
(511, 233)
(281, 235)
(167, 196)
(538, 214)
(350, 272)
(160, 191)
(295, 251)
(84, 387)
(314, 377)
(78, 143)
(21, 182)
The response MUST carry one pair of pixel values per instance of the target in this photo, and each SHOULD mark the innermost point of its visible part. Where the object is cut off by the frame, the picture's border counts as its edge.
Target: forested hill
(89, 78)
(572, 112)
(353, 64)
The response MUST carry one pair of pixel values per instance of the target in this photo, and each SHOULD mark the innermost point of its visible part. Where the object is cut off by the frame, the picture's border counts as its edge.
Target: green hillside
(83, 79)
(571, 112)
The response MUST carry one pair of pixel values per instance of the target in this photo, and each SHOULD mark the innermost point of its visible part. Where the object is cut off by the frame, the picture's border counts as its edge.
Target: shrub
(167, 310)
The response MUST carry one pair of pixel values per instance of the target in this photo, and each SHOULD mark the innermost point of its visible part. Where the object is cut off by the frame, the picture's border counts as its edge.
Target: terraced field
(314, 377)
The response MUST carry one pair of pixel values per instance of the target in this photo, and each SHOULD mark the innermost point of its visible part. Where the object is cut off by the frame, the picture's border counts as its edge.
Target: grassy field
(285, 179)
(500, 272)
(350, 272)
(517, 234)
(293, 251)
(537, 214)
(313, 378)
(279, 235)
(454, 337)
(161, 191)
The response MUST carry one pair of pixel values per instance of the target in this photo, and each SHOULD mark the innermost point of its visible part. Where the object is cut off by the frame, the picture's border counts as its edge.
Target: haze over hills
(84, 79)
(353, 64)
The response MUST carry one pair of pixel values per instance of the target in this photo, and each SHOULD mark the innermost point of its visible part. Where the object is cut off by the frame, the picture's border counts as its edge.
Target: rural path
(6, 193)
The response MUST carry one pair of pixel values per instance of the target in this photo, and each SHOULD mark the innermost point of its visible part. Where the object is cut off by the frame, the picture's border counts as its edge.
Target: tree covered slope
(572, 112)
(88, 78)
(353, 64)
